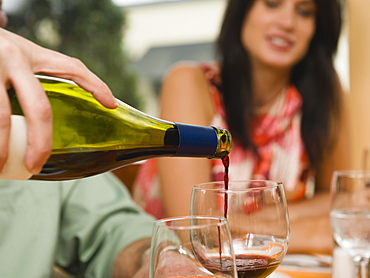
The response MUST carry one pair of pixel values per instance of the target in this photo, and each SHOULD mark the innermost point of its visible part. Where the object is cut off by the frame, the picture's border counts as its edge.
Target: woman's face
(277, 33)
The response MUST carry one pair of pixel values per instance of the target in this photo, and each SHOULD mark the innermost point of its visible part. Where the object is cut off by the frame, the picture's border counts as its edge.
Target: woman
(275, 88)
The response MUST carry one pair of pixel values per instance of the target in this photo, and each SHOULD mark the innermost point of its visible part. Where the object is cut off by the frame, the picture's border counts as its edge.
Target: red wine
(255, 266)
(247, 266)
(226, 162)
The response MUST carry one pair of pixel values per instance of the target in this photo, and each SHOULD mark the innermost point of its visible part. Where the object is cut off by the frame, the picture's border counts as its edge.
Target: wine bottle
(89, 139)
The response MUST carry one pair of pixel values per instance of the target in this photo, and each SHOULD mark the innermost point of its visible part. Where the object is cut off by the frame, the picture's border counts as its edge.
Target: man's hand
(20, 59)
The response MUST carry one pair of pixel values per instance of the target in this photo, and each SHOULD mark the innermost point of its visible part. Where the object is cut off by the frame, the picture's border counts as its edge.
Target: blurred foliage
(90, 30)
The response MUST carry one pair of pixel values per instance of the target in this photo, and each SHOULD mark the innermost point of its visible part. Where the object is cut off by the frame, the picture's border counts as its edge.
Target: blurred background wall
(359, 45)
(161, 33)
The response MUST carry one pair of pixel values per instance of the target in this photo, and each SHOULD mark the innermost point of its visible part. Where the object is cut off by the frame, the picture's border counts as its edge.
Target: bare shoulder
(185, 95)
(185, 71)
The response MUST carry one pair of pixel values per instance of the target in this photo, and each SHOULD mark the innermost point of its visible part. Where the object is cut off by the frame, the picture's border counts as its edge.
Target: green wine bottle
(89, 139)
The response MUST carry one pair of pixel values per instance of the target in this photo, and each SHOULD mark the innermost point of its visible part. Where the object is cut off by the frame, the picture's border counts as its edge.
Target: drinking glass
(191, 246)
(257, 214)
(350, 216)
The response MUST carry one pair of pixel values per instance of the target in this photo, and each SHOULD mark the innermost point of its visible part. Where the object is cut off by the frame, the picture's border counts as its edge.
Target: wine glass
(257, 213)
(191, 246)
(350, 216)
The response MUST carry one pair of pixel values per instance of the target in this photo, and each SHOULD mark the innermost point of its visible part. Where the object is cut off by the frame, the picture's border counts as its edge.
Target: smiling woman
(274, 86)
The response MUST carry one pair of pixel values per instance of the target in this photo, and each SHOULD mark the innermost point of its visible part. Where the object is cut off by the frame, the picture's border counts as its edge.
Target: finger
(3, 19)
(37, 109)
(3, 16)
(60, 65)
(4, 126)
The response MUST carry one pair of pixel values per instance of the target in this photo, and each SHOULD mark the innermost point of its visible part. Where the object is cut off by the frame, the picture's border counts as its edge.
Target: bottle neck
(196, 141)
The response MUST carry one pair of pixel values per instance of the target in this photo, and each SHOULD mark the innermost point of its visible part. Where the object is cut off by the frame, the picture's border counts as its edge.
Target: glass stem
(362, 267)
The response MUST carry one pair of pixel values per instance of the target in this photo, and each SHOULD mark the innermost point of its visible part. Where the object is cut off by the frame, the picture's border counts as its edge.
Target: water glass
(191, 246)
(350, 216)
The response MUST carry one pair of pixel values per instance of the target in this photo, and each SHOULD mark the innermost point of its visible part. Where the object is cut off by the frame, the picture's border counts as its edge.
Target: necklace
(268, 104)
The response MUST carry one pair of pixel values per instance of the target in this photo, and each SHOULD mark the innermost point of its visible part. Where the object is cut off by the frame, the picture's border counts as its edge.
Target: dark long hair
(314, 76)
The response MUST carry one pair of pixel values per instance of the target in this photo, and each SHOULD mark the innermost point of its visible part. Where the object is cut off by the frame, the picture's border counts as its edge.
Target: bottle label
(196, 141)
(14, 168)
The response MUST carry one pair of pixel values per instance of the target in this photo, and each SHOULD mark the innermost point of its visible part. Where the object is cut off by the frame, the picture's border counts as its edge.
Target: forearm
(310, 225)
(311, 236)
(129, 261)
(318, 206)
(177, 186)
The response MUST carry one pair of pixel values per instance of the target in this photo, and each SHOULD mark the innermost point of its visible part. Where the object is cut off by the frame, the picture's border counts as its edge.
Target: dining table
(301, 274)
(293, 266)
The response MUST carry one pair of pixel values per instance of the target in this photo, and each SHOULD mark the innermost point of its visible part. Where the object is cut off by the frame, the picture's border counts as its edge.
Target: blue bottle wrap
(196, 141)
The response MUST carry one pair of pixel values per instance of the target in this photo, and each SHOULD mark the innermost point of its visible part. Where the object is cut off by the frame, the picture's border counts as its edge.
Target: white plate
(278, 275)
(307, 262)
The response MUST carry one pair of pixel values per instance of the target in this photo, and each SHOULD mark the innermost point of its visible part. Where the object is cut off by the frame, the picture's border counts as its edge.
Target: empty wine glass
(191, 246)
(257, 214)
(350, 216)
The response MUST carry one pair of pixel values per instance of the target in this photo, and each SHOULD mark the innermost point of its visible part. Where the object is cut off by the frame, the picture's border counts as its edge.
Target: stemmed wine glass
(350, 216)
(191, 246)
(257, 214)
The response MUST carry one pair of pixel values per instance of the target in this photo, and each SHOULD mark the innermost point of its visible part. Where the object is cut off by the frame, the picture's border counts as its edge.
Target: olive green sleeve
(98, 220)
